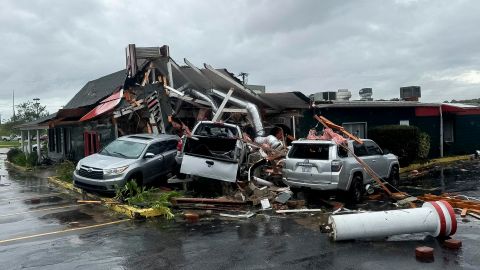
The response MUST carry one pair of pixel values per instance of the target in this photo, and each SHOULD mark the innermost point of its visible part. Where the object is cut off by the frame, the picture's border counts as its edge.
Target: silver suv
(323, 165)
(142, 157)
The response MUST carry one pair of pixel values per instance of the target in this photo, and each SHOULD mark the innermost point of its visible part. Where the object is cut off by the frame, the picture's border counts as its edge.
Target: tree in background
(29, 111)
(26, 111)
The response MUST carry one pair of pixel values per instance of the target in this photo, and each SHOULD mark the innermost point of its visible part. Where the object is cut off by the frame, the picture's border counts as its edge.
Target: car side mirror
(149, 155)
(386, 151)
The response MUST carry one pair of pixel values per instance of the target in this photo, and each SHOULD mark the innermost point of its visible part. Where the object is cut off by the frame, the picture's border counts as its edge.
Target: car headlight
(115, 171)
(77, 168)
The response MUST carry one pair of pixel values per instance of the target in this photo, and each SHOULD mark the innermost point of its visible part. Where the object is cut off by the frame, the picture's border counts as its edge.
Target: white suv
(323, 165)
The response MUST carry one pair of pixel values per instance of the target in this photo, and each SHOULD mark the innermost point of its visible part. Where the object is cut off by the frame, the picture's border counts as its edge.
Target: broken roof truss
(157, 82)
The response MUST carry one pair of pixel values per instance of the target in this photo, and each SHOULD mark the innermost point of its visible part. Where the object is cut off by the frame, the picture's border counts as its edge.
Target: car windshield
(310, 151)
(124, 149)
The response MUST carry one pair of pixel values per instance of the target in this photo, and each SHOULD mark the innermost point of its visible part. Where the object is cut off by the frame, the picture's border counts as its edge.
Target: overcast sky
(50, 49)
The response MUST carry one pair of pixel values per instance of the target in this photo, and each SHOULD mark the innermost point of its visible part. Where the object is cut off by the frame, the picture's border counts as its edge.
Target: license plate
(306, 169)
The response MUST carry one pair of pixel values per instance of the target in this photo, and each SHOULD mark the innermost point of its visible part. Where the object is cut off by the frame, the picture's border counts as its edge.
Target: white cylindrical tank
(436, 218)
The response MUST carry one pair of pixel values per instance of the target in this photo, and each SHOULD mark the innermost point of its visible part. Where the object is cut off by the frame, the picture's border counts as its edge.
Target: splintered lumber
(328, 124)
(464, 212)
(471, 205)
(474, 215)
(298, 211)
(90, 202)
(205, 200)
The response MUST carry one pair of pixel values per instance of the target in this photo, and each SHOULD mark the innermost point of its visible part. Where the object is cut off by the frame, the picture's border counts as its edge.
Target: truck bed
(211, 147)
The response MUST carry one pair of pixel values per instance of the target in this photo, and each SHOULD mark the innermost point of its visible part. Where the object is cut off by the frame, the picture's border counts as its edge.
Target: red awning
(105, 105)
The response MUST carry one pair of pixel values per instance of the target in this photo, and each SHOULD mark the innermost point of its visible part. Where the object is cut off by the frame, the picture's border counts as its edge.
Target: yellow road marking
(62, 231)
(34, 197)
(40, 210)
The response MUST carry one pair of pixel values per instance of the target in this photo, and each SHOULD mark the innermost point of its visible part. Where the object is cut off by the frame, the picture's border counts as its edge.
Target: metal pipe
(206, 98)
(250, 107)
(441, 131)
(436, 218)
(294, 127)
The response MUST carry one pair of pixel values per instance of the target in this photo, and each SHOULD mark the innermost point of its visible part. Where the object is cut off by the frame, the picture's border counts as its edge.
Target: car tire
(394, 177)
(298, 193)
(356, 191)
(137, 178)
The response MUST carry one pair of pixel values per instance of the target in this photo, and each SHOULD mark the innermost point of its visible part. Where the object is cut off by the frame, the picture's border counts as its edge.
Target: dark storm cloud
(50, 49)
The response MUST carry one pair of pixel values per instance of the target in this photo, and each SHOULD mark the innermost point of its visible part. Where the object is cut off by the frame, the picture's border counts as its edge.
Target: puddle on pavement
(463, 176)
(51, 199)
(67, 217)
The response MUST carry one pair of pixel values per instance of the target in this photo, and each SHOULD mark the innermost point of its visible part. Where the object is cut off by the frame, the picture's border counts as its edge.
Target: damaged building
(154, 94)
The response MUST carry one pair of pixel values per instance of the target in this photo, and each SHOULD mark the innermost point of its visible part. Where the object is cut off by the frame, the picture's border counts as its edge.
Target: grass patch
(418, 166)
(20, 158)
(9, 144)
(65, 170)
(139, 196)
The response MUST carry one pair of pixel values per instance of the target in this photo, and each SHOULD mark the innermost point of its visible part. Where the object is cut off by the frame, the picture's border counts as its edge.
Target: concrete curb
(18, 167)
(127, 210)
(435, 161)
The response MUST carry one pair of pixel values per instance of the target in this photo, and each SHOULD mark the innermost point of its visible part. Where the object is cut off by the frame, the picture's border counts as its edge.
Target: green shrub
(423, 145)
(139, 196)
(32, 159)
(65, 171)
(12, 153)
(20, 159)
(409, 143)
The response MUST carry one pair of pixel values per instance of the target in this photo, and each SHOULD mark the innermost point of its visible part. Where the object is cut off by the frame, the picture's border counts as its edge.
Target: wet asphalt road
(83, 237)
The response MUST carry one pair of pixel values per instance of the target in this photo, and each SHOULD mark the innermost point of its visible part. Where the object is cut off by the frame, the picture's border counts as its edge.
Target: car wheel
(394, 177)
(137, 178)
(356, 190)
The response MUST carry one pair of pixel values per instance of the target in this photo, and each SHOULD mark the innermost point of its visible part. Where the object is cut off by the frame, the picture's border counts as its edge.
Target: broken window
(216, 130)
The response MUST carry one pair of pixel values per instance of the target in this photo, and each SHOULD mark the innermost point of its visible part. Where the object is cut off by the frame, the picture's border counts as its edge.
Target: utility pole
(37, 104)
(13, 104)
(244, 76)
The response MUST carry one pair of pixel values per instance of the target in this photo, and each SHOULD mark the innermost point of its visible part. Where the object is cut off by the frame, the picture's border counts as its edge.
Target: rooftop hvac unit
(344, 94)
(324, 96)
(410, 93)
(366, 93)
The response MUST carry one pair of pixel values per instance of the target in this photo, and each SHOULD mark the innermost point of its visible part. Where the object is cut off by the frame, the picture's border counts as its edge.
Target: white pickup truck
(215, 150)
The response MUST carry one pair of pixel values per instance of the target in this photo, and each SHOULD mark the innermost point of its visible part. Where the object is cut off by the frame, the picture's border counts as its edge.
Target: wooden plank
(232, 110)
(206, 200)
(89, 202)
(220, 109)
(464, 212)
(474, 215)
(365, 166)
(327, 123)
(298, 211)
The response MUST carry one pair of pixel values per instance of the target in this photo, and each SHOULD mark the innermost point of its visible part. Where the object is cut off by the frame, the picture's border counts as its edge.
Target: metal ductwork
(204, 97)
(250, 107)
